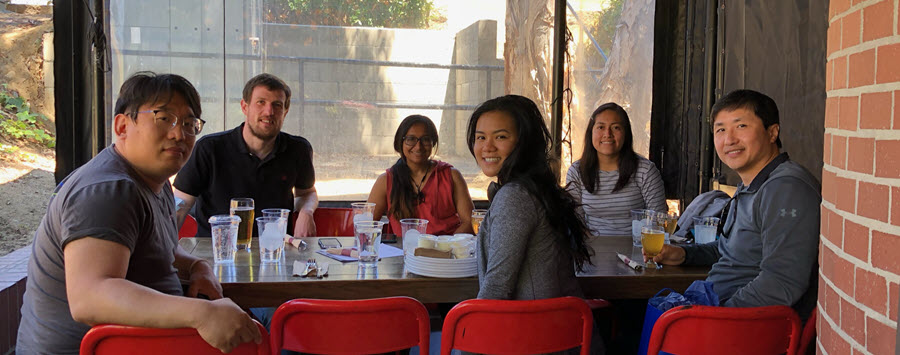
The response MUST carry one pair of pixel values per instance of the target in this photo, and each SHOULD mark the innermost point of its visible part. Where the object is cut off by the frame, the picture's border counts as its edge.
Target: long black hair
(529, 165)
(628, 160)
(403, 196)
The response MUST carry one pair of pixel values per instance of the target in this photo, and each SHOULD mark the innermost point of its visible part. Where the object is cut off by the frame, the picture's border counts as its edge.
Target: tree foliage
(602, 24)
(357, 13)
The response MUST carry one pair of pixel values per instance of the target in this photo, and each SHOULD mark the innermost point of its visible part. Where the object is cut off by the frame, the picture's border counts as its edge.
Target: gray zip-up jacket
(768, 252)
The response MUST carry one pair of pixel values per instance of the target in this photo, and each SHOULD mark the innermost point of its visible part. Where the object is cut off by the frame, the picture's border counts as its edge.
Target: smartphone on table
(326, 243)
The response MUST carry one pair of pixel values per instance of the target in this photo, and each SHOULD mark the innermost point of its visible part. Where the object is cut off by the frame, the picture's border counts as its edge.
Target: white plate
(440, 273)
(439, 265)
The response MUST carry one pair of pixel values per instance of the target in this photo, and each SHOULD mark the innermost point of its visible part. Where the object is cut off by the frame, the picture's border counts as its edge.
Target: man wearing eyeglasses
(107, 249)
(254, 160)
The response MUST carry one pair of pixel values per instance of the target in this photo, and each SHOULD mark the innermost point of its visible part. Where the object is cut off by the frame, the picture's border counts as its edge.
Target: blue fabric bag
(698, 293)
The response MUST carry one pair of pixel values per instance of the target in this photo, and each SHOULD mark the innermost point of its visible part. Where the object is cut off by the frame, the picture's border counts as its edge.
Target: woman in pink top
(420, 187)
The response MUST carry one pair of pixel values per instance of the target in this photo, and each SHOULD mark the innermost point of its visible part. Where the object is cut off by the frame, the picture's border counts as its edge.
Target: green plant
(365, 13)
(23, 124)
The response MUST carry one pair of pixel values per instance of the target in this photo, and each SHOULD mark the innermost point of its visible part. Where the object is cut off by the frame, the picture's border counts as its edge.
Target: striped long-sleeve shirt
(608, 213)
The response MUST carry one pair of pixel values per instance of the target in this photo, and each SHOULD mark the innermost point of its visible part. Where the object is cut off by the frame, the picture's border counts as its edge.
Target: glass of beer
(652, 240)
(668, 220)
(477, 218)
(243, 207)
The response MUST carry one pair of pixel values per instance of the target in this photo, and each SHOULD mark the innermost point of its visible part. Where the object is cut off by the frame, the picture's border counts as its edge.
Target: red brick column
(860, 248)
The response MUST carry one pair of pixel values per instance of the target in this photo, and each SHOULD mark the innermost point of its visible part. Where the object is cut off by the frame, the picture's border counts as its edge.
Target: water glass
(271, 238)
(477, 218)
(278, 212)
(640, 218)
(224, 237)
(363, 211)
(411, 229)
(368, 240)
(244, 208)
(705, 229)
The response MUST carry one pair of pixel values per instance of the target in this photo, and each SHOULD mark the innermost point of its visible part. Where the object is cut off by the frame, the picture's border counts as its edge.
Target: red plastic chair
(518, 327)
(370, 326)
(121, 339)
(718, 330)
(333, 222)
(809, 333)
(188, 228)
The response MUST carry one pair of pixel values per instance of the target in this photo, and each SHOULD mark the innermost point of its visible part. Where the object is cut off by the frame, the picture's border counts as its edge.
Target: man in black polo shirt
(254, 160)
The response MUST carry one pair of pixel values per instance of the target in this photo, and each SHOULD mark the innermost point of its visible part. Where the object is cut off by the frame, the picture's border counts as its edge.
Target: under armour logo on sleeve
(783, 213)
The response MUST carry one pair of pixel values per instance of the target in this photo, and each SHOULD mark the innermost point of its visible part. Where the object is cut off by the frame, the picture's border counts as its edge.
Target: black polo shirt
(221, 168)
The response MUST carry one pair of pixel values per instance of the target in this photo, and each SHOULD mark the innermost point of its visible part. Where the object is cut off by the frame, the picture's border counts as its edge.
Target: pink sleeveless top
(438, 208)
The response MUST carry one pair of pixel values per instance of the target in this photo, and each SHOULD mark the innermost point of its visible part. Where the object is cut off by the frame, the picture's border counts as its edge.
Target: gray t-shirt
(104, 199)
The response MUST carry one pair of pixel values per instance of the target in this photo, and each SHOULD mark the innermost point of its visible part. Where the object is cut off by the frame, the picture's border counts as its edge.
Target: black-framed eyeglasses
(411, 141)
(190, 126)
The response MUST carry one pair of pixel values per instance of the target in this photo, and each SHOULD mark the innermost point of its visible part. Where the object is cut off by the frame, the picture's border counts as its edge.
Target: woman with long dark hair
(417, 186)
(532, 241)
(611, 179)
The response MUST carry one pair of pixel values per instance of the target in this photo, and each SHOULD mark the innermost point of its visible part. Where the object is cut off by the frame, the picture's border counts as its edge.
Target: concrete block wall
(474, 45)
(370, 130)
(189, 26)
(859, 267)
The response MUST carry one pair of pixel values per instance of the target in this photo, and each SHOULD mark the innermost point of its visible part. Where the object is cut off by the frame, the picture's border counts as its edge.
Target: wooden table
(252, 284)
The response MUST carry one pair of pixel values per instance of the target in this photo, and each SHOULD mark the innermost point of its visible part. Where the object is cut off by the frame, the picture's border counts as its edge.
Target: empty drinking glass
(363, 211)
(640, 218)
(411, 229)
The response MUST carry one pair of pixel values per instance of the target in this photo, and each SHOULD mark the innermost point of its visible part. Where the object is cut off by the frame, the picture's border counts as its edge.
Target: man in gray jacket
(768, 249)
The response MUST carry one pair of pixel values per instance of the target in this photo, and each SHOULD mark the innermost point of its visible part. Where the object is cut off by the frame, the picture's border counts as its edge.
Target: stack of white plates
(437, 267)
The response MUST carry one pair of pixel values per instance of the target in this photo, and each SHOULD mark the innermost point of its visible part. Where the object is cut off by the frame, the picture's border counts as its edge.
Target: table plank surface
(253, 284)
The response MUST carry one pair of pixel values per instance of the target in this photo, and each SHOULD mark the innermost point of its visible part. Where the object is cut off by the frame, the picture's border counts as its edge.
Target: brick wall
(860, 248)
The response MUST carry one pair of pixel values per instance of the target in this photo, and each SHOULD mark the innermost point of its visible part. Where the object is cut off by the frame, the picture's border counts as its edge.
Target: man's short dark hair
(761, 105)
(146, 87)
(271, 82)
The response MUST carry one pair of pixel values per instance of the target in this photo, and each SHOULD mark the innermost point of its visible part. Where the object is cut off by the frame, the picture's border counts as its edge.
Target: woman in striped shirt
(611, 179)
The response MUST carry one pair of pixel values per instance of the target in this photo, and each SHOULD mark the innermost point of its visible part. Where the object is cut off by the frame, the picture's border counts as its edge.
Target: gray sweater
(519, 255)
(768, 253)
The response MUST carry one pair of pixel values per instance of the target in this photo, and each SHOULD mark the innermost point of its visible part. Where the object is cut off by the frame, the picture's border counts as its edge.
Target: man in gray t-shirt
(107, 249)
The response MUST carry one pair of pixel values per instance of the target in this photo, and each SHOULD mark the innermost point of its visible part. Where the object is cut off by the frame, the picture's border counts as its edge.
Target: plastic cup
(411, 229)
(368, 240)
(705, 229)
(224, 237)
(639, 219)
(271, 238)
(278, 212)
(363, 211)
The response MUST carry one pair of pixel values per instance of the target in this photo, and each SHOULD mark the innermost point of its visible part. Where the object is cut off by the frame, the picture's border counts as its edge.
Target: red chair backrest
(518, 327)
(370, 326)
(188, 228)
(121, 339)
(333, 222)
(726, 330)
(809, 332)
